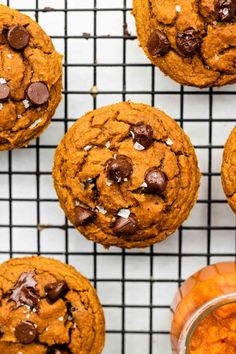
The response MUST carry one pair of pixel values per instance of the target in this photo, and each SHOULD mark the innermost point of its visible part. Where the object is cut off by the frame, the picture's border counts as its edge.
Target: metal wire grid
(135, 286)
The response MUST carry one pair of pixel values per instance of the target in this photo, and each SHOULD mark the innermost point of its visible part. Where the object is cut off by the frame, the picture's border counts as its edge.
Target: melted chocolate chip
(188, 41)
(226, 10)
(156, 181)
(56, 290)
(38, 93)
(118, 169)
(142, 134)
(83, 216)
(24, 291)
(125, 226)
(158, 43)
(4, 92)
(18, 37)
(26, 332)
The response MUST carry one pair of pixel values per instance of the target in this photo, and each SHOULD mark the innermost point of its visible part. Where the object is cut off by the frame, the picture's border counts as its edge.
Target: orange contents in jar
(216, 331)
(216, 334)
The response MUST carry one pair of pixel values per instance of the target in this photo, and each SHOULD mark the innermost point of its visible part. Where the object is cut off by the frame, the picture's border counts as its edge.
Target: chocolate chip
(125, 226)
(24, 291)
(156, 181)
(226, 10)
(4, 92)
(56, 290)
(18, 37)
(118, 169)
(26, 332)
(83, 216)
(38, 93)
(142, 134)
(188, 41)
(158, 43)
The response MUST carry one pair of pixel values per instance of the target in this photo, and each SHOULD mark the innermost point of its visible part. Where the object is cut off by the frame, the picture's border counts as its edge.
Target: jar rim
(198, 316)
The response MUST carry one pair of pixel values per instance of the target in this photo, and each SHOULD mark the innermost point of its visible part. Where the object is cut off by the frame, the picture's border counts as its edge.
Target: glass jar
(204, 312)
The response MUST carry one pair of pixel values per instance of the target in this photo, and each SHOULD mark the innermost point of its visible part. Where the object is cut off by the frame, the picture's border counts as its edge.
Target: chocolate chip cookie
(228, 172)
(47, 307)
(191, 41)
(30, 79)
(126, 175)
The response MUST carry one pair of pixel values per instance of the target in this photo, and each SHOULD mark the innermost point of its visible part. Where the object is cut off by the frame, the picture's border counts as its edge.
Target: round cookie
(191, 41)
(30, 79)
(126, 175)
(48, 307)
(228, 171)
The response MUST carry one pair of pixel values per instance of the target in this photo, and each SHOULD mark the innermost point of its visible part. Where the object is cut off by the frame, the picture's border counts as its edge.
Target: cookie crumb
(86, 35)
(2, 81)
(26, 103)
(87, 147)
(144, 185)
(138, 146)
(126, 32)
(124, 213)
(101, 209)
(32, 126)
(94, 91)
(108, 144)
(61, 319)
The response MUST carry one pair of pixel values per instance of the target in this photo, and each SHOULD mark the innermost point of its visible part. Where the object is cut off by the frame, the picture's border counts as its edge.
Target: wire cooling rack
(103, 64)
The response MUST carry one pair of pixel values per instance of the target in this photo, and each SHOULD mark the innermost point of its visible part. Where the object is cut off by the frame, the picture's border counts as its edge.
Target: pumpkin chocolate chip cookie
(126, 175)
(47, 307)
(191, 41)
(228, 172)
(30, 79)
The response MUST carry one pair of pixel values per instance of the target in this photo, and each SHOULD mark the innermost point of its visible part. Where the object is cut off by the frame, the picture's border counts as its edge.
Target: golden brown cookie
(30, 79)
(126, 175)
(228, 172)
(191, 41)
(48, 307)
